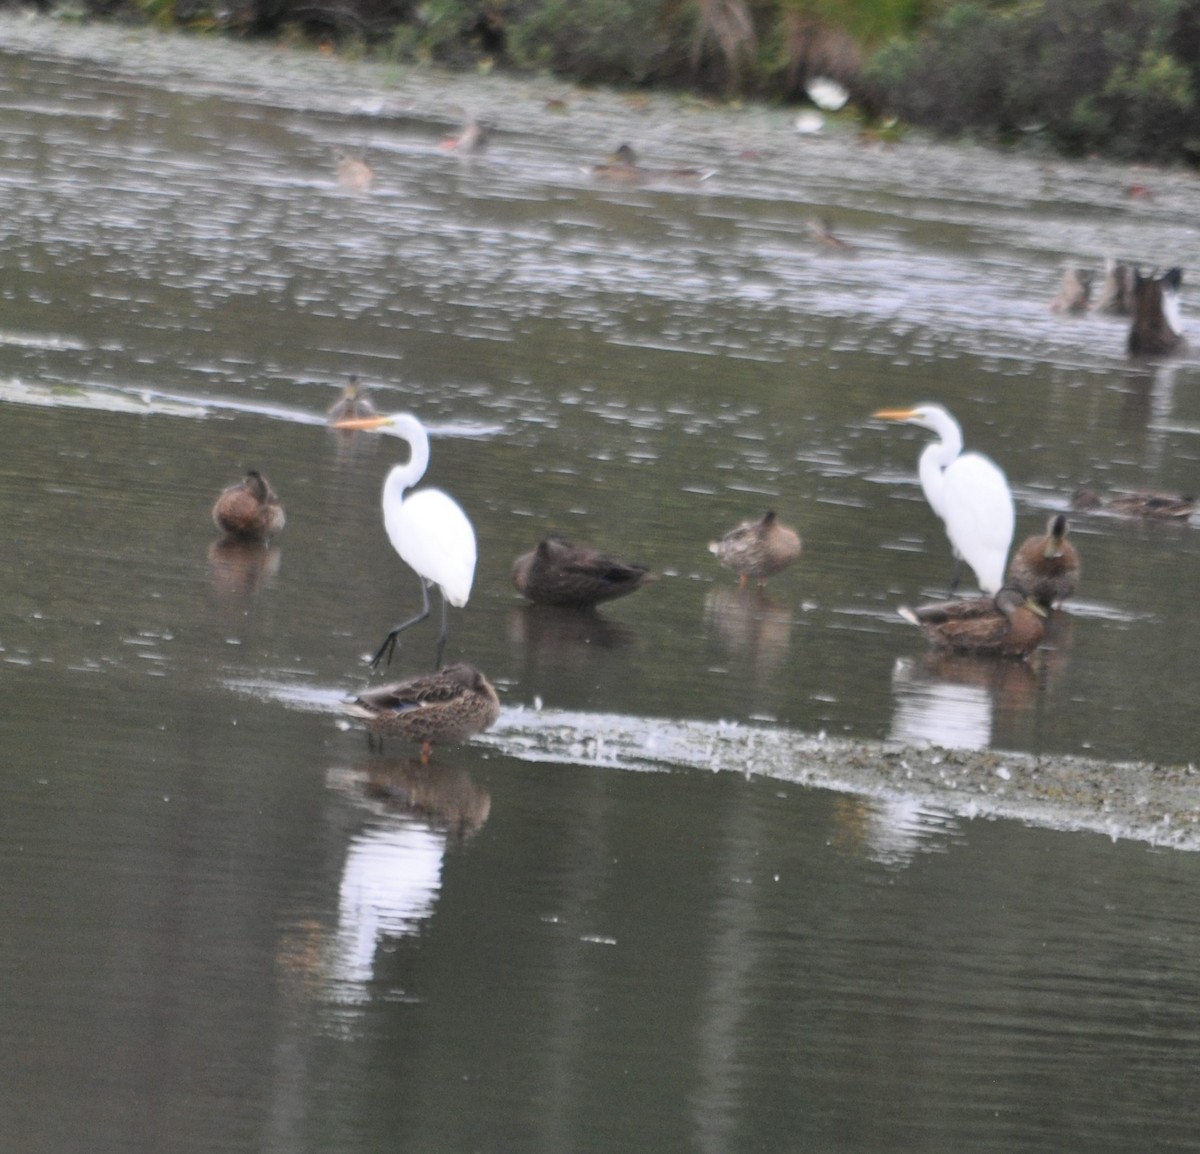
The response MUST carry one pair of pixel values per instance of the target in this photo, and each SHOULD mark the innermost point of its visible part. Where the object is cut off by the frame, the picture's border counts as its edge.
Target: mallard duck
(1155, 328)
(249, 509)
(1074, 292)
(1046, 566)
(623, 167)
(451, 704)
(757, 549)
(352, 404)
(1008, 625)
(557, 572)
(1138, 503)
(353, 173)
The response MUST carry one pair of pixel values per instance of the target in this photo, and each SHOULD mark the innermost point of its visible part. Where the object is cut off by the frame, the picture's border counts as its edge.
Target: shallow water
(232, 926)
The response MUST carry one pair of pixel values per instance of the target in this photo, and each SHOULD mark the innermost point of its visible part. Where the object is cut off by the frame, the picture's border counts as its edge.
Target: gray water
(230, 925)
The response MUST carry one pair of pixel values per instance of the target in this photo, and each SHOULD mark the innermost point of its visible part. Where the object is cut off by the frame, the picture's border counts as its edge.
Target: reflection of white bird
(428, 529)
(967, 491)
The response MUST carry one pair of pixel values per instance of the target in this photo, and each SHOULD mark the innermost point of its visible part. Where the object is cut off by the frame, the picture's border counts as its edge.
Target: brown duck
(558, 572)
(1046, 566)
(430, 708)
(1007, 625)
(757, 549)
(1154, 331)
(249, 510)
(1138, 503)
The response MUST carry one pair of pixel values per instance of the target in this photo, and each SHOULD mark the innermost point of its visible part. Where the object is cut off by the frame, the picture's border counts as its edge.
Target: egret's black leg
(441, 646)
(956, 576)
(389, 642)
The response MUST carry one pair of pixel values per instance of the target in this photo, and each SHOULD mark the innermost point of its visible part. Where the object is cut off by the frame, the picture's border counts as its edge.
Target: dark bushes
(1109, 75)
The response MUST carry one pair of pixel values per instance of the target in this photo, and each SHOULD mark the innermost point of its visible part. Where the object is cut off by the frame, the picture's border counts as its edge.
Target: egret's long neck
(407, 475)
(934, 459)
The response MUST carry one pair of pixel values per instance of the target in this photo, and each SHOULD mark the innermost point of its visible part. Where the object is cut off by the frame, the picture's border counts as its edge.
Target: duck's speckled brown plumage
(1046, 566)
(1139, 503)
(451, 704)
(249, 509)
(1007, 625)
(558, 572)
(757, 549)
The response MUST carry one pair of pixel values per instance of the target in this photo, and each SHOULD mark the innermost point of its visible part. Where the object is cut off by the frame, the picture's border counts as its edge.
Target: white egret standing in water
(428, 529)
(967, 491)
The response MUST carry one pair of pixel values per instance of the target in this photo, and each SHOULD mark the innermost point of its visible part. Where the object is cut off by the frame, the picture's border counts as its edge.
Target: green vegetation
(1114, 76)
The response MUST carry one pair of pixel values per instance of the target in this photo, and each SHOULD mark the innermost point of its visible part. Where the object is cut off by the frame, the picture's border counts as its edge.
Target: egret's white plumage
(428, 528)
(967, 491)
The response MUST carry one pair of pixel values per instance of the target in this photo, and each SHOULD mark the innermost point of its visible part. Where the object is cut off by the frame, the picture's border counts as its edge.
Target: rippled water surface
(230, 925)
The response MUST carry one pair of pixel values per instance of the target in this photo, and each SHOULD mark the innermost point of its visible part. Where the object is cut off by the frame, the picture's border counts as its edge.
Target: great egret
(1007, 625)
(558, 572)
(451, 704)
(428, 528)
(757, 549)
(1139, 503)
(249, 509)
(1046, 566)
(1155, 330)
(967, 491)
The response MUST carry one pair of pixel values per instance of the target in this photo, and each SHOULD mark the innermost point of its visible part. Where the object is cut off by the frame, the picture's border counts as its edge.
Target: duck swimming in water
(1008, 625)
(757, 549)
(1074, 292)
(472, 138)
(557, 572)
(622, 167)
(1155, 330)
(1139, 503)
(352, 404)
(353, 173)
(249, 510)
(1116, 293)
(1046, 566)
(451, 704)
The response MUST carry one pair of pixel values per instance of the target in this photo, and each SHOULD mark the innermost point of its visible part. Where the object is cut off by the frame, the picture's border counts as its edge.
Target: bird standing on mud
(449, 705)
(558, 572)
(967, 491)
(428, 529)
(249, 510)
(757, 549)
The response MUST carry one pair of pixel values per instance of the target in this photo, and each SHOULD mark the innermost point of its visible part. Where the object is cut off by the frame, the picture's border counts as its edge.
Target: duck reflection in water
(559, 633)
(239, 569)
(892, 830)
(443, 795)
(750, 625)
(952, 700)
